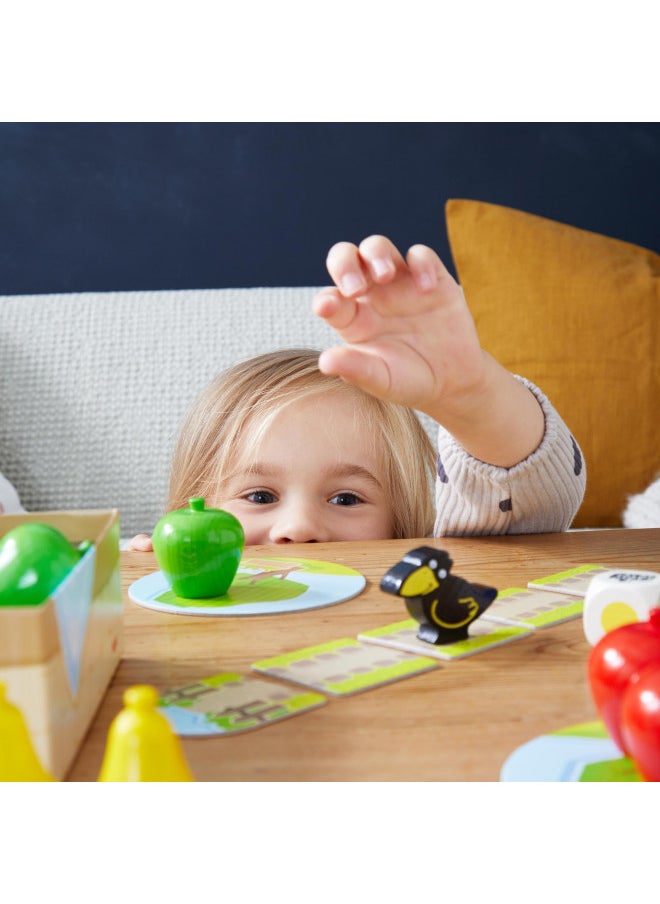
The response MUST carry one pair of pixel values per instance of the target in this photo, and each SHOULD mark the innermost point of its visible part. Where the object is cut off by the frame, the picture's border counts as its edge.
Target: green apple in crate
(34, 560)
(199, 549)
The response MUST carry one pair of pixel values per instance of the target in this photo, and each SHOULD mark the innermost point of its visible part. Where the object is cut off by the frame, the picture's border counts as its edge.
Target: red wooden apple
(640, 721)
(615, 661)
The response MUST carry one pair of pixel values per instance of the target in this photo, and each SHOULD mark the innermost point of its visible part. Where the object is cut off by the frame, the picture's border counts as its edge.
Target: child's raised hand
(409, 335)
(410, 338)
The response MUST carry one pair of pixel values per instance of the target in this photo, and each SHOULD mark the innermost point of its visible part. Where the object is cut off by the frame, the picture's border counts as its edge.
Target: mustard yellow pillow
(578, 314)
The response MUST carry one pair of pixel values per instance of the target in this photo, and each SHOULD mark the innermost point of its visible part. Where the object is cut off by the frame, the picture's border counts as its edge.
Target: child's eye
(261, 497)
(345, 499)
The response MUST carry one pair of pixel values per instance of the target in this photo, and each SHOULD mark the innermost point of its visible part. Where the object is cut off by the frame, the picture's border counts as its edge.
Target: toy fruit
(198, 549)
(34, 559)
(640, 721)
(617, 660)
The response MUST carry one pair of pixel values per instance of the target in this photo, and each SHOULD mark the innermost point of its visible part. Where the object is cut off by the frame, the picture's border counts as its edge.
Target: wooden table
(454, 723)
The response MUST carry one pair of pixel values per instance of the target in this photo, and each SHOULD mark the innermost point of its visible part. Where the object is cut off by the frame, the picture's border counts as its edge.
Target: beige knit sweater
(539, 495)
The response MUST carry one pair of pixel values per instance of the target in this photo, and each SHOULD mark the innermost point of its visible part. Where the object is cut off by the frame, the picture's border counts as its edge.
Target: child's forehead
(317, 397)
(322, 408)
(336, 415)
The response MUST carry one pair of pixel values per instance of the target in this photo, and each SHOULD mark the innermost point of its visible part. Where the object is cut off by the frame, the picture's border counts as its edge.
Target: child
(303, 447)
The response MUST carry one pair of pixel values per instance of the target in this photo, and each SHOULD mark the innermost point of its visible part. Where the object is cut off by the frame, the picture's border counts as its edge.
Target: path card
(344, 666)
(533, 608)
(575, 581)
(484, 635)
(229, 703)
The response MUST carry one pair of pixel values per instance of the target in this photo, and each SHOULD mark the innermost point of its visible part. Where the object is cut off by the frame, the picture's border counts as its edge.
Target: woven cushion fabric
(93, 386)
(578, 313)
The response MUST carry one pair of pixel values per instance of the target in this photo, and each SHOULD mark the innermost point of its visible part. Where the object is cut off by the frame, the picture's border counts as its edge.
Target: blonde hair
(235, 410)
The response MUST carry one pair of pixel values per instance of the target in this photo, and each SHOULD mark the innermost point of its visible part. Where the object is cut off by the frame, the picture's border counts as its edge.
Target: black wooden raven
(443, 604)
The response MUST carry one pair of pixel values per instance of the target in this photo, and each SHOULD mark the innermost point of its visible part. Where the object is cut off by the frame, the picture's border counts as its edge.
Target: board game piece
(229, 703)
(18, 760)
(444, 605)
(34, 559)
(618, 597)
(265, 585)
(581, 753)
(573, 581)
(616, 661)
(344, 666)
(198, 549)
(483, 635)
(141, 745)
(533, 608)
(640, 721)
(58, 658)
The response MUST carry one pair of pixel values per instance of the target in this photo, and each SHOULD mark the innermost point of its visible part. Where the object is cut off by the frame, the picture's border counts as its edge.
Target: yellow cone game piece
(141, 745)
(18, 760)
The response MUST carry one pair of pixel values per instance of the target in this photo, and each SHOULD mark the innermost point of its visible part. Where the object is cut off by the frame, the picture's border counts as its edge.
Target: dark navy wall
(111, 206)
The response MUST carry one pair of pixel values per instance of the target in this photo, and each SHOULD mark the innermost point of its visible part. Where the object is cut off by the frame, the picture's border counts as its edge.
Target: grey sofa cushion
(93, 386)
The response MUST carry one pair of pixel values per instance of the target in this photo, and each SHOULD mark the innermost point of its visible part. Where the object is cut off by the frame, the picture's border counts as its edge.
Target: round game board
(581, 753)
(262, 586)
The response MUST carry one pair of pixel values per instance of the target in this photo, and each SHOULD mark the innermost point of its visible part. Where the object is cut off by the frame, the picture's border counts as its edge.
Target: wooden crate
(57, 659)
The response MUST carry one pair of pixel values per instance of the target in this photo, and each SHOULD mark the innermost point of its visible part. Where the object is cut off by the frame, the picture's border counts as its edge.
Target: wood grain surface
(458, 722)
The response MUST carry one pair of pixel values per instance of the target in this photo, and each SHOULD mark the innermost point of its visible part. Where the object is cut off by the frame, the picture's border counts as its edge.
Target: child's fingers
(381, 258)
(425, 267)
(337, 311)
(345, 269)
(368, 372)
(141, 543)
(355, 269)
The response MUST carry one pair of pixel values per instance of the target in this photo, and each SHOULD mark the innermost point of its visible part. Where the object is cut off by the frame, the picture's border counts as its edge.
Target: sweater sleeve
(541, 494)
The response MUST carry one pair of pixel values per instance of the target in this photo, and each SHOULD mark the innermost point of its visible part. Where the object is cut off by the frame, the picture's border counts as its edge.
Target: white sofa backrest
(93, 386)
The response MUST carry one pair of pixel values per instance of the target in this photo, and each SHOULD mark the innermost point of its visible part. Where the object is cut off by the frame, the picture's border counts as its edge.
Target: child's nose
(298, 523)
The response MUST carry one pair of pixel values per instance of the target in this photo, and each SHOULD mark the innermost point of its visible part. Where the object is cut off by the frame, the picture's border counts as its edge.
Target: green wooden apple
(34, 559)
(198, 549)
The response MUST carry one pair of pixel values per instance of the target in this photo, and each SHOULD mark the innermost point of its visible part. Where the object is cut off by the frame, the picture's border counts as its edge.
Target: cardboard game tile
(579, 753)
(533, 608)
(344, 666)
(230, 703)
(484, 635)
(264, 585)
(575, 581)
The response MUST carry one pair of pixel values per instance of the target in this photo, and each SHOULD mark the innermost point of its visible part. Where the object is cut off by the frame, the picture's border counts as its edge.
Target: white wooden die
(619, 597)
